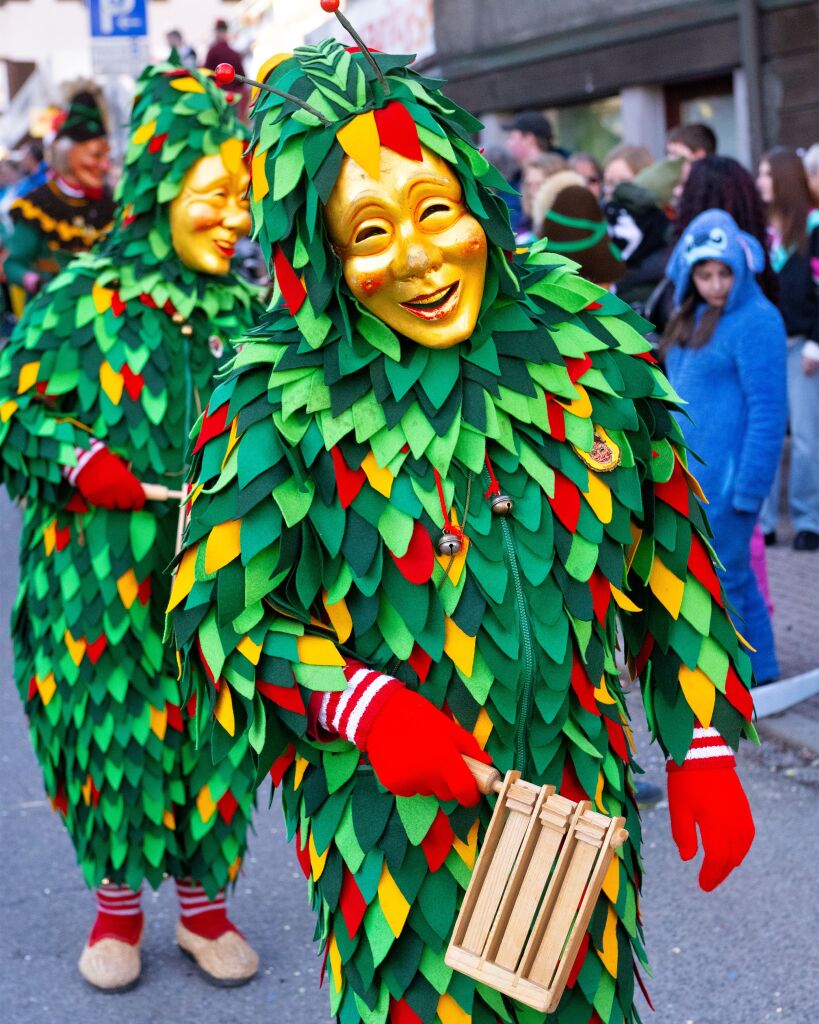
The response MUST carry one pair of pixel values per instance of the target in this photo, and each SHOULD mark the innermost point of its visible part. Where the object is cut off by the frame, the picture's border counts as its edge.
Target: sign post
(119, 36)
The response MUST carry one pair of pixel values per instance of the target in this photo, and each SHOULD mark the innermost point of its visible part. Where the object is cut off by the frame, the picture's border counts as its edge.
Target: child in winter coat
(725, 355)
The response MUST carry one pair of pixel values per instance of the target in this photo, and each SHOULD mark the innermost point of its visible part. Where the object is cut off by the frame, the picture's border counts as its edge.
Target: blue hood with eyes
(714, 235)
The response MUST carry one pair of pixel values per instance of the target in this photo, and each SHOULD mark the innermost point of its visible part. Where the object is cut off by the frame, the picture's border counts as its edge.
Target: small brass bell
(186, 330)
(449, 543)
(501, 505)
(178, 318)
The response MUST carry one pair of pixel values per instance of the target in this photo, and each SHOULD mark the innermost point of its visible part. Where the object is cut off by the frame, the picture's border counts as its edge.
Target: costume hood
(714, 235)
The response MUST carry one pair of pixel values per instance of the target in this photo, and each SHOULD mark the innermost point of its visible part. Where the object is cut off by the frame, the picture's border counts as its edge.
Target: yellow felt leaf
(50, 536)
(380, 479)
(205, 804)
(629, 736)
(102, 297)
(233, 870)
(340, 618)
(28, 377)
(359, 140)
(76, 648)
(636, 537)
(128, 587)
(169, 819)
(609, 953)
(315, 650)
(743, 641)
(693, 482)
(86, 789)
(666, 587)
(611, 883)
(623, 600)
(334, 956)
(250, 650)
(459, 646)
(599, 498)
(580, 406)
(393, 903)
(232, 150)
(598, 794)
(7, 410)
(450, 1013)
(258, 176)
(223, 545)
(317, 861)
(300, 768)
(602, 694)
(483, 728)
(142, 134)
(111, 382)
(187, 85)
(270, 65)
(233, 437)
(467, 851)
(223, 709)
(195, 493)
(159, 722)
(183, 581)
(46, 687)
(699, 692)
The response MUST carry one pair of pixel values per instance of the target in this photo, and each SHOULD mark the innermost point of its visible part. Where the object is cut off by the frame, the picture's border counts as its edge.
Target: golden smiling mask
(210, 214)
(411, 252)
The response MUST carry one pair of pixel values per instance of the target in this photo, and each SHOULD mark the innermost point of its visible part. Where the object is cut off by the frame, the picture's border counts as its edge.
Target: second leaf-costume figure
(435, 479)
(99, 387)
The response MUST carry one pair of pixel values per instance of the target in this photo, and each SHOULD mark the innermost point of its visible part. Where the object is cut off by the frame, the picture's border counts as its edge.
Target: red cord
(449, 527)
(494, 486)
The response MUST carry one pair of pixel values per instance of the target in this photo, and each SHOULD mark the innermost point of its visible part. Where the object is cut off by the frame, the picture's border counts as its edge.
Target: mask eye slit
(371, 231)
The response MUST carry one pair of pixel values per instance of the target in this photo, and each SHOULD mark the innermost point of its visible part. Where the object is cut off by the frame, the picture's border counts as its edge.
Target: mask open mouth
(226, 249)
(435, 305)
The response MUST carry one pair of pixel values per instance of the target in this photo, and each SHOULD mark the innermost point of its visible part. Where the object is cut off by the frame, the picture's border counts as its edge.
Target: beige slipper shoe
(111, 965)
(227, 961)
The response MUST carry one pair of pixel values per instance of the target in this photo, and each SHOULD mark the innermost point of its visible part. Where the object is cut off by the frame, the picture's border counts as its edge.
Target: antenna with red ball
(225, 75)
(331, 7)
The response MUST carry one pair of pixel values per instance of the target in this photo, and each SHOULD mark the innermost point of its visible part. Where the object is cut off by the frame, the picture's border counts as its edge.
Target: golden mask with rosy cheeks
(211, 214)
(411, 252)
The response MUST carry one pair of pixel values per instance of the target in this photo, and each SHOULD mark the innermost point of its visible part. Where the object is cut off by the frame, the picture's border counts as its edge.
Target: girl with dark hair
(793, 225)
(724, 353)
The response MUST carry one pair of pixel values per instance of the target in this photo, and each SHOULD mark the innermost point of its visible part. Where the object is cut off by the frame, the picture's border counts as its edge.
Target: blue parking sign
(118, 18)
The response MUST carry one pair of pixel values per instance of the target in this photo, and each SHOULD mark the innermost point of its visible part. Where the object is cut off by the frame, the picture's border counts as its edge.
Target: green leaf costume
(107, 352)
(312, 541)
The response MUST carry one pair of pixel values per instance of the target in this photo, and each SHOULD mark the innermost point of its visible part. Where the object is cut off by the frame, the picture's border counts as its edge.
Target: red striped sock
(119, 915)
(205, 917)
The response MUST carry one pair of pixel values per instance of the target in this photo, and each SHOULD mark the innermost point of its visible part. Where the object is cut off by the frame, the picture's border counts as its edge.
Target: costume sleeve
(23, 251)
(679, 638)
(761, 356)
(42, 381)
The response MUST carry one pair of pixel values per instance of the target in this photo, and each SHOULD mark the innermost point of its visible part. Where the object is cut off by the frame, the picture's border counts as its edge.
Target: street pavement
(745, 954)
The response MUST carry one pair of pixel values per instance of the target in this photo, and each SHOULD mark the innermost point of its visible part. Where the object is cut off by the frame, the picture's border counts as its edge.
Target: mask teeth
(364, 50)
(285, 95)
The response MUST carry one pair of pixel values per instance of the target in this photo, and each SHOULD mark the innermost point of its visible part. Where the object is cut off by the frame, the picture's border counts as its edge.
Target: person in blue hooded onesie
(725, 355)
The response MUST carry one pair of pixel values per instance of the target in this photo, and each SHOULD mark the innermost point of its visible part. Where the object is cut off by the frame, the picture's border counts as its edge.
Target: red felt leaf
(212, 424)
(32, 687)
(397, 131)
(351, 903)
(157, 142)
(617, 738)
(144, 591)
(420, 662)
(174, 716)
(577, 366)
(227, 807)
(649, 358)
(570, 784)
(566, 502)
(292, 289)
(76, 504)
(700, 564)
(146, 300)
(133, 382)
(190, 707)
(578, 961)
(644, 655)
(62, 537)
(738, 696)
(287, 697)
(169, 307)
(592, 306)
(601, 595)
(557, 418)
(642, 985)
(349, 481)
(303, 856)
(60, 800)
(94, 650)
(437, 843)
(675, 491)
(417, 564)
(95, 793)
(282, 763)
(583, 688)
(41, 387)
(402, 1013)
(117, 305)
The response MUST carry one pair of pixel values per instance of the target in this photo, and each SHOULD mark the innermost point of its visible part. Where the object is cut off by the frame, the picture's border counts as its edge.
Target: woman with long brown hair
(793, 225)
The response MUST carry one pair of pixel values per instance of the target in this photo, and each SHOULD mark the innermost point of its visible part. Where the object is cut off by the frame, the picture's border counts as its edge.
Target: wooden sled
(535, 885)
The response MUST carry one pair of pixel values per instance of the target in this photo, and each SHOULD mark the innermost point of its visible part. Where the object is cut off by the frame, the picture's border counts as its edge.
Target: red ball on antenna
(224, 74)
(331, 6)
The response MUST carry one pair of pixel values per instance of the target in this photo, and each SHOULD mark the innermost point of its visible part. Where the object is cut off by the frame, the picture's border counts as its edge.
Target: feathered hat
(84, 117)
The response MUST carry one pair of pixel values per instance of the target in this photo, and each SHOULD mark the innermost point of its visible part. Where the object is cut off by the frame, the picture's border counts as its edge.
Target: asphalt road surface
(745, 954)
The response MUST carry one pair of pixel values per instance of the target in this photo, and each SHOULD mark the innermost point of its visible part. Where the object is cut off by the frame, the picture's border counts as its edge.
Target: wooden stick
(488, 778)
(158, 492)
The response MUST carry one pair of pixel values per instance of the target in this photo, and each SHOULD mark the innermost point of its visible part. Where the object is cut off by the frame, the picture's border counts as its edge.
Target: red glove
(105, 481)
(705, 792)
(416, 749)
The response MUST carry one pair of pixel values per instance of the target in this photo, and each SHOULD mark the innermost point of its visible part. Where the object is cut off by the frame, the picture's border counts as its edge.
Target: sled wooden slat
(536, 882)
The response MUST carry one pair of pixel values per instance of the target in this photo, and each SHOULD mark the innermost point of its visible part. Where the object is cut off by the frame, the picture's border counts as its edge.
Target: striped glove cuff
(350, 713)
(708, 750)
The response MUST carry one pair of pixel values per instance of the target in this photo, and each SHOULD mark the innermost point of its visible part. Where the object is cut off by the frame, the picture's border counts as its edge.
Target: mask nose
(417, 255)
